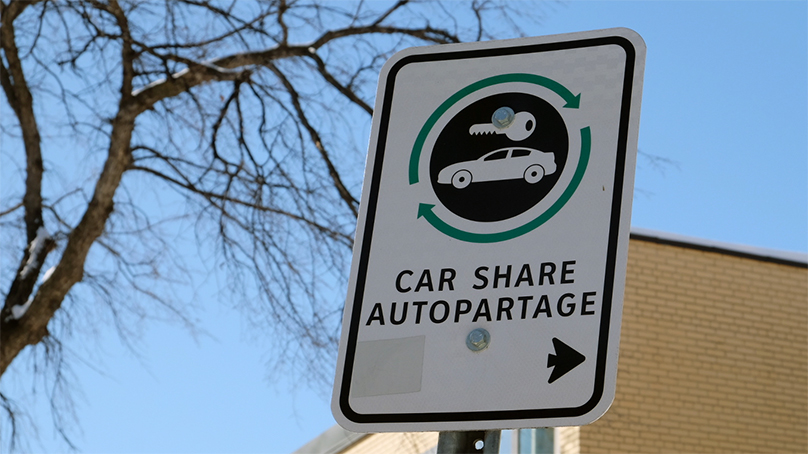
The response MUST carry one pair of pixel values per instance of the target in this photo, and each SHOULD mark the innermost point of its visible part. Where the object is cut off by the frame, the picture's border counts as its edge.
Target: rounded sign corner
(342, 413)
(598, 410)
(632, 42)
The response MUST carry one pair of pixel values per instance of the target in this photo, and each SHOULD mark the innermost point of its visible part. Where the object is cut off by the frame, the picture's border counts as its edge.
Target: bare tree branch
(347, 92)
(11, 210)
(216, 199)
(239, 118)
(15, 86)
(352, 203)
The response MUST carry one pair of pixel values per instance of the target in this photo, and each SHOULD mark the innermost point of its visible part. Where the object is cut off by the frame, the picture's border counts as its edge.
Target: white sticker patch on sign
(390, 366)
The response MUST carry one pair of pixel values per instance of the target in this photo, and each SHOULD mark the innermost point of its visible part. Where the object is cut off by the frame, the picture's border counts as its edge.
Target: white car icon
(510, 163)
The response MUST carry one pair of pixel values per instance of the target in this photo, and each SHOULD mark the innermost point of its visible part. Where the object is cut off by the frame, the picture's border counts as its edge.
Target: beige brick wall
(713, 356)
(567, 440)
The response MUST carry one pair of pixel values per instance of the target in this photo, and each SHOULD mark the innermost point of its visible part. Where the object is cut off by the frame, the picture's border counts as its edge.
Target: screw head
(503, 117)
(478, 339)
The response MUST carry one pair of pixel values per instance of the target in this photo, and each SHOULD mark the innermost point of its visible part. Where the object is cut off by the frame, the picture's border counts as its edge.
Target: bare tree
(139, 131)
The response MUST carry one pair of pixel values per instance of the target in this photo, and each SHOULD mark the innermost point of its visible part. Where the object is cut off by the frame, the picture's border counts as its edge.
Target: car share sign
(489, 265)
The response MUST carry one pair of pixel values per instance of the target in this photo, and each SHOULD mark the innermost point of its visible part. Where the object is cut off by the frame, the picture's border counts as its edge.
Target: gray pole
(471, 442)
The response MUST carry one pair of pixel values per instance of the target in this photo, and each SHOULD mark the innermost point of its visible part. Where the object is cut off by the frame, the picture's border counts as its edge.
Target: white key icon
(517, 127)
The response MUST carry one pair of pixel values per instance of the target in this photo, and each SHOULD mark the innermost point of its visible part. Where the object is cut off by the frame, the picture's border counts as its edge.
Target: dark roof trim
(750, 252)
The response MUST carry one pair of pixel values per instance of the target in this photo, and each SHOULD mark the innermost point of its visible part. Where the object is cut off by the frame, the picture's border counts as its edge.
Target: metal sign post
(473, 442)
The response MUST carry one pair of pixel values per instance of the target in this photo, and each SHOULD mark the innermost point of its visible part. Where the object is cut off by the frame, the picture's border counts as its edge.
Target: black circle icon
(482, 171)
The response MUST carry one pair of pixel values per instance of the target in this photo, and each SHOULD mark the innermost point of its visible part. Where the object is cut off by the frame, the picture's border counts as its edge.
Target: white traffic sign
(489, 265)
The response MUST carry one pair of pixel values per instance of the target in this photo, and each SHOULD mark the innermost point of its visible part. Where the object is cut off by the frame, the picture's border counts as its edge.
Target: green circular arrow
(425, 210)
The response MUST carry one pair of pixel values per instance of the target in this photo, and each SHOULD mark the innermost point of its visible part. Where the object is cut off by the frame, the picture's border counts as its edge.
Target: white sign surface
(489, 265)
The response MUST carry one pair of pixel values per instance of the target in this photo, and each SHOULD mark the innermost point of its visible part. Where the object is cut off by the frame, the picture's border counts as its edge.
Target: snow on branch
(35, 250)
(17, 311)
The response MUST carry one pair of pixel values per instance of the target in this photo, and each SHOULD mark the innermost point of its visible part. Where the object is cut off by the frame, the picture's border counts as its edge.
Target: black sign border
(608, 288)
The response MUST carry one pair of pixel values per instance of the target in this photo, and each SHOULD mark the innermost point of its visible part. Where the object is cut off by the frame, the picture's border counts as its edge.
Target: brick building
(713, 359)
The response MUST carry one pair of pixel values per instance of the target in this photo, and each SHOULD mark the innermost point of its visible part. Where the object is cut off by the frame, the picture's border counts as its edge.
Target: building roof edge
(334, 440)
(798, 259)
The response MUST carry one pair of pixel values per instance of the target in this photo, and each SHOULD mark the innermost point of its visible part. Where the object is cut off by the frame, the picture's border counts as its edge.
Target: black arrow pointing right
(565, 359)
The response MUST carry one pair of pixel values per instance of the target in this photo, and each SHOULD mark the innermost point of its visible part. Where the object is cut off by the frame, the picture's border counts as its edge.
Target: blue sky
(725, 102)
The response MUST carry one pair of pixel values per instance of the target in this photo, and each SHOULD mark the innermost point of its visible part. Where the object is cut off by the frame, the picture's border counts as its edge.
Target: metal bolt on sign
(478, 339)
(503, 117)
